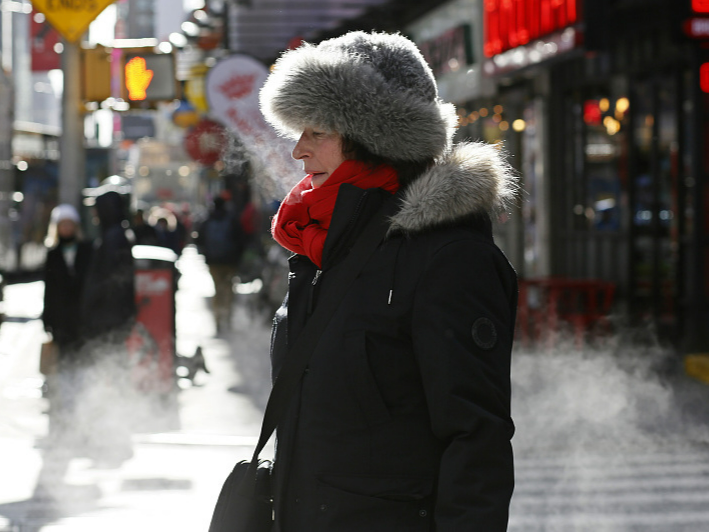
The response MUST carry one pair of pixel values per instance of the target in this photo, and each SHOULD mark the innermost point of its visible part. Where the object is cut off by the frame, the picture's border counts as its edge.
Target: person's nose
(300, 151)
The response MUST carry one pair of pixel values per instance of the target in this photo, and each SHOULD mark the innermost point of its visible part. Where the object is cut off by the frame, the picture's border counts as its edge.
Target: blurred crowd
(90, 302)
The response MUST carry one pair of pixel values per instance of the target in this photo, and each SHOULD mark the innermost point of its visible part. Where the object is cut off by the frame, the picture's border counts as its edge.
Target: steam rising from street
(618, 398)
(608, 440)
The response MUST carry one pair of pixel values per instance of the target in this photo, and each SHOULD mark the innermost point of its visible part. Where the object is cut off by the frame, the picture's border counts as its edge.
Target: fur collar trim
(472, 178)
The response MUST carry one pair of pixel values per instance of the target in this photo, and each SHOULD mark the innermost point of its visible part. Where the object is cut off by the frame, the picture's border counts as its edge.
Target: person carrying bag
(391, 397)
(244, 503)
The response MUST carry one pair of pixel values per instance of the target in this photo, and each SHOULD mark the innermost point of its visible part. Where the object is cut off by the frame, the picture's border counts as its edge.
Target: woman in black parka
(65, 270)
(402, 421)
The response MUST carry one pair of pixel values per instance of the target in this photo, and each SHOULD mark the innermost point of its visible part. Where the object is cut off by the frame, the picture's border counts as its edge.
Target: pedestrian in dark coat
(145, 233)
(108, 314)
(65, 272)
(402, 420)
(109, 297)
(221, 240)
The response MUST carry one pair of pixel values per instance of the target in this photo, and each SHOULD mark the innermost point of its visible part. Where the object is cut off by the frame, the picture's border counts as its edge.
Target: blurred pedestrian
(107, 317)
(145, 233)
(221, 241)
(65, 273)
(166, 228)
(167, 237)
(402, 421)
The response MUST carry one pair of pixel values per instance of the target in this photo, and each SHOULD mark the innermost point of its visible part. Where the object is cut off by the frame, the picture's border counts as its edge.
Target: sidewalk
(180, 460)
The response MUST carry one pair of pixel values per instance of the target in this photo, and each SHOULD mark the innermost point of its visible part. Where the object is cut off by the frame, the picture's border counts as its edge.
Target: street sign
(71, 19)
(232, 88)
(206, 142)
(43, 40)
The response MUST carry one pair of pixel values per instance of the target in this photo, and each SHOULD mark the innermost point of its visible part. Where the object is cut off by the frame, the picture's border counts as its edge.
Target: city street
(180, 459)
(611, 441)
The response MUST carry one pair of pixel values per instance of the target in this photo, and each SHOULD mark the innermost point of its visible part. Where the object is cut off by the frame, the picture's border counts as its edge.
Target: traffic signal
(95, 74)
(148, 77)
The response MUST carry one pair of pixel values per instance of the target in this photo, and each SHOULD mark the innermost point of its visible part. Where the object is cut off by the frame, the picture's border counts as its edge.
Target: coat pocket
(374, 503)
(360, 377)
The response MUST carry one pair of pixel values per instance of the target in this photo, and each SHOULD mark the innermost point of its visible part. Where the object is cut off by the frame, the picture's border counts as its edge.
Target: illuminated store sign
(700, 6)
(704, 77)
(530, 54)
(513, 23)
(697, 27)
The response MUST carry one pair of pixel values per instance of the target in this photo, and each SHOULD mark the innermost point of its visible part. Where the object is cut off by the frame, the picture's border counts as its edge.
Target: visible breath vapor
(273, 171)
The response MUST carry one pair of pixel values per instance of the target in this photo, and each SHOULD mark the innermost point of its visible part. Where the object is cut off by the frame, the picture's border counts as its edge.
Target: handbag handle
(298, 356)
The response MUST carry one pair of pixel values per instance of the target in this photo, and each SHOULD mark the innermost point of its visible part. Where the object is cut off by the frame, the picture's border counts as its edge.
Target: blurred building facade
(602, 108)
(30, 123)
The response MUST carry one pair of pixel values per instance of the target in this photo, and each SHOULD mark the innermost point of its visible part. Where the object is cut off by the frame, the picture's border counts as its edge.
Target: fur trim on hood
(473, 178)
(374, 88)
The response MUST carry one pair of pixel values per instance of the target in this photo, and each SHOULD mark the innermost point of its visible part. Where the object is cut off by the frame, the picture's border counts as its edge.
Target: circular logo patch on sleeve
(484, 333)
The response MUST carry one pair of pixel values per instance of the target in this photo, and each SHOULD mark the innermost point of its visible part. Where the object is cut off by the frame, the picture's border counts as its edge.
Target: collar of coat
(473, 178)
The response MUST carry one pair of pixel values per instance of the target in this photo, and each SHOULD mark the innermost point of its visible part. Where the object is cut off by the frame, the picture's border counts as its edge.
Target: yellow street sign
(71, 18)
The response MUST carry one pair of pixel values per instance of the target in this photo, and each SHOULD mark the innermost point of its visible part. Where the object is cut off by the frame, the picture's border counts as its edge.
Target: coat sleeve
(463, 322)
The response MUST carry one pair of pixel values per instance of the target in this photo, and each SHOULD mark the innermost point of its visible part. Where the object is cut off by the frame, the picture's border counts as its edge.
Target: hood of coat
(473, 178)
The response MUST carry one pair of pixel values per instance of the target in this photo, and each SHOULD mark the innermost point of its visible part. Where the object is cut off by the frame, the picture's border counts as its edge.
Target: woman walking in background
(65, 272)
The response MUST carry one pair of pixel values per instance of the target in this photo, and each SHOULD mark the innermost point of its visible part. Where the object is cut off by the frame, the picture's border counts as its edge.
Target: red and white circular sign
(206, 142)
(232, 88)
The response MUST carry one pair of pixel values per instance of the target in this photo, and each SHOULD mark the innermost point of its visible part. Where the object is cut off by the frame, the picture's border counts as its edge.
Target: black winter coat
(63, 290)
(402, 421)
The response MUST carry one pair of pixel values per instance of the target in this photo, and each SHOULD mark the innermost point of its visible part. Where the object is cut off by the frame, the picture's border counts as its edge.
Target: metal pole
(72, 173)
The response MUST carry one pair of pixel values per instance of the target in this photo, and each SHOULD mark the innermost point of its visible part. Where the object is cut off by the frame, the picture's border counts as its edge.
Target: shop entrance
(656, 158)
(620, 173)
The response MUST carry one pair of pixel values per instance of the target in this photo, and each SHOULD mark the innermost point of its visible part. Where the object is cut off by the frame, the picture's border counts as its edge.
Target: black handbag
(245, 503)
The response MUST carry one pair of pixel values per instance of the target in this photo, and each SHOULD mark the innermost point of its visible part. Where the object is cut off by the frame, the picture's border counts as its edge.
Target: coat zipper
(311, 292)
(318, 274)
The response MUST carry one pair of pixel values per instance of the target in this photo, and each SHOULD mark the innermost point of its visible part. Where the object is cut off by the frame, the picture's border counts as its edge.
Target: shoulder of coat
(472, 178)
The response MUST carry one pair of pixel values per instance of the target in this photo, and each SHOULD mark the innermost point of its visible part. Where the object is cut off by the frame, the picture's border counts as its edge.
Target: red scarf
(302, 220)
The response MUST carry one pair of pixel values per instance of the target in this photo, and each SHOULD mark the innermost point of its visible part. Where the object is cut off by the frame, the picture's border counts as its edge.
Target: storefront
(611, 145)
(451, 39)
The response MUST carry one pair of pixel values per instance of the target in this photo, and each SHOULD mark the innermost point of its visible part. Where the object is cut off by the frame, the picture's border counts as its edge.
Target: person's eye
(318, 134)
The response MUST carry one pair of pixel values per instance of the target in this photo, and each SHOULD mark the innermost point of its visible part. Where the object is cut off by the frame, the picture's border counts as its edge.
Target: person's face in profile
(321, 154)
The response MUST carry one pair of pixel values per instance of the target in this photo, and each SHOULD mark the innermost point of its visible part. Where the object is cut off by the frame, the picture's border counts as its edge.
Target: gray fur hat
(374, 88)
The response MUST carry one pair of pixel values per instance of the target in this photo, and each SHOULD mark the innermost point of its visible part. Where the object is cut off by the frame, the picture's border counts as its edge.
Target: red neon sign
(512, 23)
(704, 77)
(700, 6)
